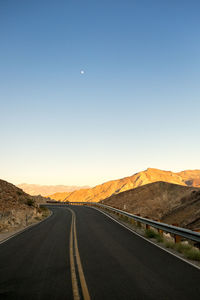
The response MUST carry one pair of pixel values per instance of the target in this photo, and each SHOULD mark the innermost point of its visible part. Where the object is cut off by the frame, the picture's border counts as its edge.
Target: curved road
(43, 262)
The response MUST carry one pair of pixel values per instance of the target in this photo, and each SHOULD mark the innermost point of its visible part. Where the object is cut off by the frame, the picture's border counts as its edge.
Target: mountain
(16, 207)
(191, 177)
(170, 203)
(105, 190)
(44, 190)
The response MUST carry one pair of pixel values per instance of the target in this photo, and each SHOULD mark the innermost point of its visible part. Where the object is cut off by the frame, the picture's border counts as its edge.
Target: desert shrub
(19, 193)
(180, 247)
(169, 244)
(150, 233)
(192, 253)
(30, 202)
(159, 238)
(123, 218)
(186, 249)
(43, 210)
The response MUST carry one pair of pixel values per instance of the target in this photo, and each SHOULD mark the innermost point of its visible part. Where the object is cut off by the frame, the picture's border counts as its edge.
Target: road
(79, 253)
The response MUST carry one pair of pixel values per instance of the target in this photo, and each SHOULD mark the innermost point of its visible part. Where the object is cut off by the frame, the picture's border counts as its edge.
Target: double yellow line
(74, 254)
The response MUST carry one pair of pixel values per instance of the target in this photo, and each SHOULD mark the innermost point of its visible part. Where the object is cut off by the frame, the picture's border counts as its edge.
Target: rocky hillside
(170, 203)
(105, 190)
(187, 214)
(44, 190)
(17, 209)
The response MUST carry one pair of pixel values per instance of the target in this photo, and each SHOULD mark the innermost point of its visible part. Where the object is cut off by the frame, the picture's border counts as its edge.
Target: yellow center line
(85, 291)
(72, 265)
(84, 287)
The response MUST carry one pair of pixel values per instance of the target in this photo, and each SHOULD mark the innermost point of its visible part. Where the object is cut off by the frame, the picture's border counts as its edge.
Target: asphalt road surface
(83, 254)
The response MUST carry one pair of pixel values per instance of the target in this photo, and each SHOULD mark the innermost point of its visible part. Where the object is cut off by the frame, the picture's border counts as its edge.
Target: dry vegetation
(188, 250)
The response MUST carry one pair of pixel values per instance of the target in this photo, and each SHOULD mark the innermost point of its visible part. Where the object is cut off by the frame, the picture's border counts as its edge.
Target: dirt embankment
(187, 214)
(18, 209)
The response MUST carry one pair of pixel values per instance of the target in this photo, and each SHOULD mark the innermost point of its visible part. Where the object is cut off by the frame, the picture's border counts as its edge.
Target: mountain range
(188, 178)
(44, 190)
(164, 195)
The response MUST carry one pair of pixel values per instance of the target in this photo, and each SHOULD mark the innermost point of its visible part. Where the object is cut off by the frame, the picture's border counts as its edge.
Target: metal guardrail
(174, 230)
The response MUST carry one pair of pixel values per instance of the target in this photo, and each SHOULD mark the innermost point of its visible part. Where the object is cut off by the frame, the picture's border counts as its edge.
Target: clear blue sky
(136, 106)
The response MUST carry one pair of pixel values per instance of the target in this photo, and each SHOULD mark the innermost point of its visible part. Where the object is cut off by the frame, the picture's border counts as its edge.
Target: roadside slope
(17, 209)
(160, 200)
(187, 214)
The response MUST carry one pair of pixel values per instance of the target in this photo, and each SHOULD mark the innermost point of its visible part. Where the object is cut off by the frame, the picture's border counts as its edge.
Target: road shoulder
(5, 236)
(140, 233)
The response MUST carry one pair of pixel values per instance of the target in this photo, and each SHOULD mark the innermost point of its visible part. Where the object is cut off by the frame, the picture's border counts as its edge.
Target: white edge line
(24, 229)
(134, 232)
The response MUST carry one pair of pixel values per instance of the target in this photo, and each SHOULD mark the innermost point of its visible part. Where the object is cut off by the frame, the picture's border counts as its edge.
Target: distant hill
(44, 190)
(170, 203)
(105, 190)
(191, 177)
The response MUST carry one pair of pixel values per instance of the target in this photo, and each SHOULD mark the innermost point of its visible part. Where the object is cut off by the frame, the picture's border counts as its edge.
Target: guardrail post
(177, 238)
(147, 226)
(160, 231)
(197, 244)
(138, 222)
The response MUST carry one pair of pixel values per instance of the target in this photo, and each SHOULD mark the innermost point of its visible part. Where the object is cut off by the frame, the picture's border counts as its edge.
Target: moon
(82, 72)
